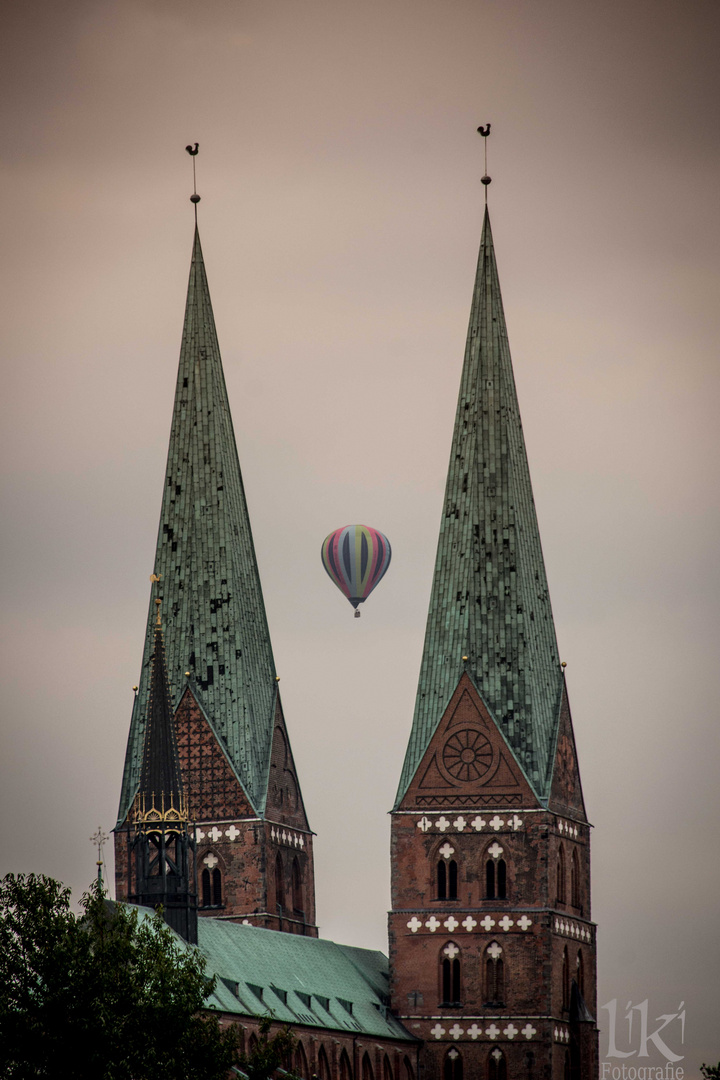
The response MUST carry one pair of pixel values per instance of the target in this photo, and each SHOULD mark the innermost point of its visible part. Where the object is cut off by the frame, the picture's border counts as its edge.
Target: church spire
(490, 612)
(216, 633)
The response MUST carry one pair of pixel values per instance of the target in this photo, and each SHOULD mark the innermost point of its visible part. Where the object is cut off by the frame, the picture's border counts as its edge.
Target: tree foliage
(107, 995)
(711, 1072)
(272, 1054)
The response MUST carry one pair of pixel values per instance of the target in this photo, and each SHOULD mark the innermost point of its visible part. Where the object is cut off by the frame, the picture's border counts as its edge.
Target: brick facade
(490, 919)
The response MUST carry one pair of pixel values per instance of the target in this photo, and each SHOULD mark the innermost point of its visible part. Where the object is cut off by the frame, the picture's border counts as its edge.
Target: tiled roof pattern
(325, 985)
(160, 772)
(490, 598)
(213, 610)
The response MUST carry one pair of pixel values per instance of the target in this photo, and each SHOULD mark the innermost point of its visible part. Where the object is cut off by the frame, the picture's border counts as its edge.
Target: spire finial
(158, 621)
(99, 839)
(194, 198)
(485, 131)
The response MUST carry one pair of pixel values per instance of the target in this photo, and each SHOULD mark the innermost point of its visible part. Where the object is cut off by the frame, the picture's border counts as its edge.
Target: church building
(491, 967)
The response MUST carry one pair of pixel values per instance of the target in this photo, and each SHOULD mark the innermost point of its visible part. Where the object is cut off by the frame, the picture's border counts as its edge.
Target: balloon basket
(357, 614)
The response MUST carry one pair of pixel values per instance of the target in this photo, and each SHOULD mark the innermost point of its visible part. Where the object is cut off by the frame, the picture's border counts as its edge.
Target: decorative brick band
(476, 824)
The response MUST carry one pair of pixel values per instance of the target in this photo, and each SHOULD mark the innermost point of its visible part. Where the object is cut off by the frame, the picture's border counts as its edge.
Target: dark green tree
(272, 1055)
(107, 995)
(711, 1072)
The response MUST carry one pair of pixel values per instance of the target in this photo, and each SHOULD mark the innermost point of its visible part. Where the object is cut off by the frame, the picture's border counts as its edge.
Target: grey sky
(340, 218)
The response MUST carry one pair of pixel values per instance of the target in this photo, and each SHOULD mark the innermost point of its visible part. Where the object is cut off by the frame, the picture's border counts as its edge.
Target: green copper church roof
(489, 598)
(213, 610)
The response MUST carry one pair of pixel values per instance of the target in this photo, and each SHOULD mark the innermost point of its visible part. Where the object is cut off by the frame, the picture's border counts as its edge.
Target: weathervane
(485, 131)
(194, 198)
(99, 839)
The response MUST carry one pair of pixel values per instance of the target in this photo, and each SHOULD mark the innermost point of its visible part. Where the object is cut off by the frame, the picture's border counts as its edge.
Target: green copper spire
(213, 610)
(489, 600)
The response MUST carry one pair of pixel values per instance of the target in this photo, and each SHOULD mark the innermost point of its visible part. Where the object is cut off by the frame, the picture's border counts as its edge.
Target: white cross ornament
(505, 923)
(215, 834)
(442, 824)
(210, 860)
(487, 923)
(524, 923)
(469, 924)
(452, 1053)
(478, 823)
(232, 832)
(451, 924)
(447, 850)
(437, 1032)
(451, 951)
(456, 1031)
(432, 924)
(528, 1031)
(492, 1032)
(495, 950)
(199, 835)
(414, 924)
(495, 850)
(511, 1031)
(474, 1031)
(459, 823)
(515, 823)
(424, 824)
(497, 1053)
(496, 823)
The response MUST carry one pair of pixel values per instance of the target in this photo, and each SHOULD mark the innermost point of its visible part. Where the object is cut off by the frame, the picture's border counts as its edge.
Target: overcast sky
(341, 208)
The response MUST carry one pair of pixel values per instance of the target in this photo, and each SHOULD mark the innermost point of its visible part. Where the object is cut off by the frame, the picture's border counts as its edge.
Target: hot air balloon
(356, 557)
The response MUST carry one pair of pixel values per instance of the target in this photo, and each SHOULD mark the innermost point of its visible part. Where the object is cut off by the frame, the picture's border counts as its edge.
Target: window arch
(497, 1065)
(565, 980)
(367, 1069)
(453, 1065)
(217, 887)
(387, 1069)
(566, 1066)
(575, 879)
(323, 1067)
(301, 1062)
(279, 884)
(447, 879)
(409, 1074)
(580, 972)
(560, 876)
(495, 877)
(253, 1043)
(494, 974)
(450, 974)
(345, 1070)
(206, 893)
(297, 891)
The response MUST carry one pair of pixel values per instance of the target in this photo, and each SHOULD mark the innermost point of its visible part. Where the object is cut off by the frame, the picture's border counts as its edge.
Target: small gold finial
(135, 689)
(277, 678)
(187, 674)
(563, 664)
(157, 621)
(464, 659)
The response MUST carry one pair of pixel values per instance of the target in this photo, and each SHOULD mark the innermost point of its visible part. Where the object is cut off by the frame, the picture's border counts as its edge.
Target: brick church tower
(253, 858)
(492, 947)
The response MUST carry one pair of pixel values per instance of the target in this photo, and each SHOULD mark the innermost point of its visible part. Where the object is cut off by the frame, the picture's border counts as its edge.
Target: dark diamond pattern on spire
(213, 609)
(490, 598)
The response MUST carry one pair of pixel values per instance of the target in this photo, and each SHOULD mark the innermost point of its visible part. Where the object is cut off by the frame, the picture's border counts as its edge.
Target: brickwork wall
(526, 931)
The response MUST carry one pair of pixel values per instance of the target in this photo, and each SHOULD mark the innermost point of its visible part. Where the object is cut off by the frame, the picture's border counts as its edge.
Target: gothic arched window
(441, 880)
(580, 972)
(323, 1067)
(279, 884)
(501, 879)
(494, 975)
(453, 1065)
(450, 974)
(387, 1069)
(575, 880)
(216, 888)
(497, 1065)
(367, 1069)
(490, 879)
(345, 1070)
(565, 980)
(301, 1062)
(452, 880)
(560, 876)
(297, 891)
(408, 1070)
(206, 894)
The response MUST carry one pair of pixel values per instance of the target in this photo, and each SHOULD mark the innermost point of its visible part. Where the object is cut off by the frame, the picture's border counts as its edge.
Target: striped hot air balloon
(356, 557)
